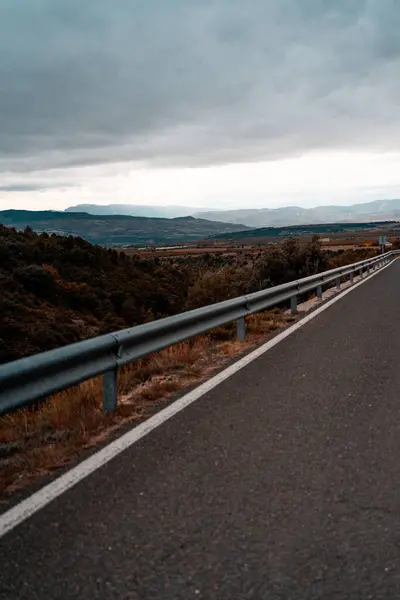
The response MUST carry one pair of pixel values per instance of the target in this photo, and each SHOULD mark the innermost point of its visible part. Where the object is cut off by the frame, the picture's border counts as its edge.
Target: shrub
(37, 280)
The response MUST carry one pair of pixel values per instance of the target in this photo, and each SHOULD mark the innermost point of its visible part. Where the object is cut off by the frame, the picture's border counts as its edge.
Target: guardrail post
(293, 305)
(110, 395)
(338, 283)
(241, 329)
(361, 273)
(319, 292)
(351, 278)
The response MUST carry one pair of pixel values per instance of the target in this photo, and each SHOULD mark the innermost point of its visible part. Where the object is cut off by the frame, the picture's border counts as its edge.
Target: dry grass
(264, 322)
(231, 348)
(35, 441)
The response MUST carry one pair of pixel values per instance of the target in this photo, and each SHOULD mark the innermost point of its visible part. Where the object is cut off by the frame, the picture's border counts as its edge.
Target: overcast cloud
(194, 82)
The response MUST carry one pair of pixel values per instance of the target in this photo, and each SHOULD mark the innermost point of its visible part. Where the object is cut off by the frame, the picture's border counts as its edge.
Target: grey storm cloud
(191, 82)
(19, 187)
(31, 187)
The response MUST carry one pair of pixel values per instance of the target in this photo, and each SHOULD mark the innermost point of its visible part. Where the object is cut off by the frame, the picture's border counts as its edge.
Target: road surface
(281, 483)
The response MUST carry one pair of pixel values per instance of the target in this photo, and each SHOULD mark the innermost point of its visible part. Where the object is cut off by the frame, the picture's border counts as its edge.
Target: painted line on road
(26, 508)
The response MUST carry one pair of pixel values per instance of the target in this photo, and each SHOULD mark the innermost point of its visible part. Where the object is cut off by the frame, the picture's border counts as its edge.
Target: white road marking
(22, 511)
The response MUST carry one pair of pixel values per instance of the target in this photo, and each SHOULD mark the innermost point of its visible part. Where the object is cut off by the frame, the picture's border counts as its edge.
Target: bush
(215, 286)
(37, 280)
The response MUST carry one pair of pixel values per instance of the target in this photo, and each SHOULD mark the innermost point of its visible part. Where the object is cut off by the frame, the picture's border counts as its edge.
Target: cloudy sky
(204, 103)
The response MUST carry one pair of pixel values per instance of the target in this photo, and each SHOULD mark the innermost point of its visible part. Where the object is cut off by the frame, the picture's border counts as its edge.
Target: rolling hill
(305, 230)
(378, 210)
(116, 229)
(134, 210)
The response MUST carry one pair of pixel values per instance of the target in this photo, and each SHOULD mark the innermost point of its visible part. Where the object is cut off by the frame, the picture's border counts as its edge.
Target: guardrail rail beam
(30, 380)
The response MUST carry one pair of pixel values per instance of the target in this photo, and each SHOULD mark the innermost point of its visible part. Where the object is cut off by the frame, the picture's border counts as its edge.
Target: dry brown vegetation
(34, 442)
(59, 290)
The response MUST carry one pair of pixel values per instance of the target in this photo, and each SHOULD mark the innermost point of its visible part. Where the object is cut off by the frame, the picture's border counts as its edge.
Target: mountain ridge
(135, 210)
(375, 210)
(320, 229)
(117, 229)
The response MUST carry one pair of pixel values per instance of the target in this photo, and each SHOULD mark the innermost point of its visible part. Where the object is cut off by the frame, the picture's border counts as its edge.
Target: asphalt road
(281, 483)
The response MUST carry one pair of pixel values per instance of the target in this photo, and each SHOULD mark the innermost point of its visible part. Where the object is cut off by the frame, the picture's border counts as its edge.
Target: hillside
(306, 230)
(135, 210)
(378, 210)
(116, 229)
(58, 290)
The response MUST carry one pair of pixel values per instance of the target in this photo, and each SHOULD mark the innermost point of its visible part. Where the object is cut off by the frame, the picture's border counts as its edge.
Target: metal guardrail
(28, 380)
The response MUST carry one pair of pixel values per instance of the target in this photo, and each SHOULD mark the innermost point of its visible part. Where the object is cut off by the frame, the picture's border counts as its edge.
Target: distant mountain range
(135, 210)
(116, 229)
(378, 210)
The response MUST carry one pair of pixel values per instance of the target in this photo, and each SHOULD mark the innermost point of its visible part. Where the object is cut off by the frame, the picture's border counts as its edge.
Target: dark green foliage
(292, 261)
(115, 229)
(37, 280)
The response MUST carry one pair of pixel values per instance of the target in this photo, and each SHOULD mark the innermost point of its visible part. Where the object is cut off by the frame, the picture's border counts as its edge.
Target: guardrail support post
(241, 329)
(110, 395)
(338, 283)
(351, 278)
(319, 293)
(293, 305)
(361, 273)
